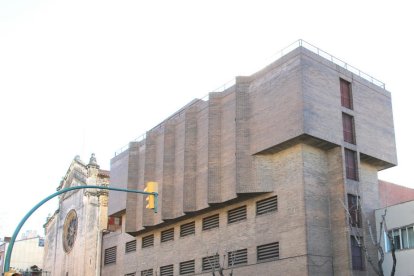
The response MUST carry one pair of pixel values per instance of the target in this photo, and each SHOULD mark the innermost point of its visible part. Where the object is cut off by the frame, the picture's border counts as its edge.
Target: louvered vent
(110, 255)
(187, 229)
(237, 257)
(211, 222)
(187, 267)
(130, 274)
(147, 272)
(131, 246)
(266, 205)
(148, 241)
(268, 251)
(167, 270)
(167, 235)
(211, 262)
(236, 214)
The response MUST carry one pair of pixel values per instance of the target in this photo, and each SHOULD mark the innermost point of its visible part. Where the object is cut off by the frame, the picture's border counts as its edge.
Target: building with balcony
(256, 179)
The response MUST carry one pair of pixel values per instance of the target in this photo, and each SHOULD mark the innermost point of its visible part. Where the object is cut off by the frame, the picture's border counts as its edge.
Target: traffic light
(12, 273)
(151, 187)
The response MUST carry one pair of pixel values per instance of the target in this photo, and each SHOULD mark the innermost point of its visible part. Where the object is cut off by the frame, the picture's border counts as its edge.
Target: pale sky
(86, 76)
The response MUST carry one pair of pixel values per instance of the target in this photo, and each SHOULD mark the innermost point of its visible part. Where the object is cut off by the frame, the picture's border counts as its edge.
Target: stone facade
(75, 249)
(277, 133)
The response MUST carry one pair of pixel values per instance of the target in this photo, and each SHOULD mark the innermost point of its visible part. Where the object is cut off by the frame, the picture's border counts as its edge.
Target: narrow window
(110, 255)
(268, 252)
(147, 272)
(237, 257)
(357, 258)
(148, 241)
(130, 274)
(131, 246)
(41, 242)
(266, 205)
(354, 209)
(210, 262)
(404, 238)
(211, 222)
(167, 270)
(187, 229)
(348, 128)
(346, 94)
(237, 214)
(396, 236)
(187, 267)
(411, 236)
(167, 235)
(351, 164)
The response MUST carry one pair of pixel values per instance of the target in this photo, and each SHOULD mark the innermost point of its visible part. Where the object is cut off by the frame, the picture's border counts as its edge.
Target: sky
(83, 76)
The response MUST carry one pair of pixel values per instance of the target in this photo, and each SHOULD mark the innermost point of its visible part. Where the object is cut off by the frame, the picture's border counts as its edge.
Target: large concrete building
(257, 179)
(73, 233)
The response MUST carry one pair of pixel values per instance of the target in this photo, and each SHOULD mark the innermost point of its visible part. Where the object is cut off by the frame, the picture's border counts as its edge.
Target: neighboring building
(28, 234)
(399, 219)
(391, 194)
(255, 178)
(3, 249)
(27, 253)
(73, 232)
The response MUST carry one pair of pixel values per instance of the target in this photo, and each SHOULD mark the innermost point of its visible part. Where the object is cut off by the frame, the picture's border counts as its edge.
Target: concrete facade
(27, 253)
(90, 207)
(3, 249)
(278, 132)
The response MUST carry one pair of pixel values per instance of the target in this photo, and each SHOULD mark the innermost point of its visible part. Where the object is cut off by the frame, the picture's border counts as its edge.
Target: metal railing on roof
(281, 53)
(333, 59)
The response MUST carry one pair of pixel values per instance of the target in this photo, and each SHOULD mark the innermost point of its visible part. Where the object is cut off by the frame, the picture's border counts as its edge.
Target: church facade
(73, 233)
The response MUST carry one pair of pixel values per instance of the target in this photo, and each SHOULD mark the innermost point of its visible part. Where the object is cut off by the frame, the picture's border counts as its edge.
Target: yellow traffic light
(151, 187)
(12, 273)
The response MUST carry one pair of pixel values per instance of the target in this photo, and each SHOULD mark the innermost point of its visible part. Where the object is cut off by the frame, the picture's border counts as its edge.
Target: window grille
(351, 164)
(268, 251)
(167, 235)
(210, 262)
(211, 222)
(348, 128)
(237, 257)
(357, 257)
(266, 205)
(148, 241)
(354, 210)
(131, 246)
(148, 272)
(187, 229)
(110, 255)
(237, 214)
(187, 267)
(167, 270)
(346, 94)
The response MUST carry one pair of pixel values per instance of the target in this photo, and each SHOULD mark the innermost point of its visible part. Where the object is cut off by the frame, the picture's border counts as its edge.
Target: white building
(400, 224)
(27, 253)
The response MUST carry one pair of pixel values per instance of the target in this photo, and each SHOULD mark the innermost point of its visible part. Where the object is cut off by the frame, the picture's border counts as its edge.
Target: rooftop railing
(281, 53)
(333, 59)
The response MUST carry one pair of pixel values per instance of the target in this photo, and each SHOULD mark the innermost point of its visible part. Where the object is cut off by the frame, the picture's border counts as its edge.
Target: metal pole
(20, 225)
